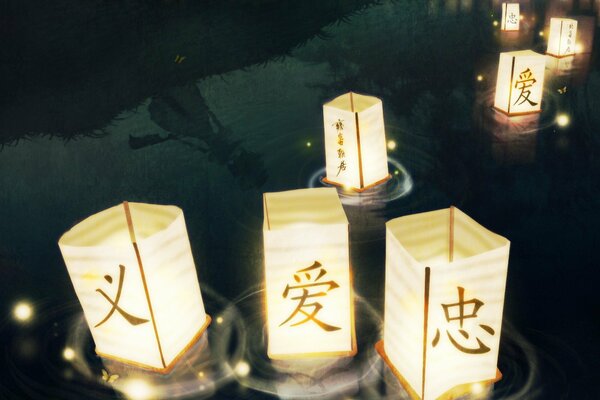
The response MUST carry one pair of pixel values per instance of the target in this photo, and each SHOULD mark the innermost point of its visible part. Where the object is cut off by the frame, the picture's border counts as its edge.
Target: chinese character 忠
(526, 80)
(115, 304)
(460, 316)
(311, 274)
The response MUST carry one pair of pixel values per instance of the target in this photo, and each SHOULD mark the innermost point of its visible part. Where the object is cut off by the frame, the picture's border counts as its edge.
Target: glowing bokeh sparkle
(68, 354)
(137, 389)
(242, 369)
(562, 120)
(23, 311)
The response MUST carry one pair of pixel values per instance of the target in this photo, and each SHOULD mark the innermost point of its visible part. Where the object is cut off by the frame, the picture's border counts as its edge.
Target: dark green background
(94, 110)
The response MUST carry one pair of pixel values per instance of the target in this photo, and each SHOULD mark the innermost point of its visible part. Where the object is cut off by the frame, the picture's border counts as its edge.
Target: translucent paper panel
(355, 146)
(133, 272)
(307, 275)
(562, 37)
(445, 284)
(510, 17)
(520, 82)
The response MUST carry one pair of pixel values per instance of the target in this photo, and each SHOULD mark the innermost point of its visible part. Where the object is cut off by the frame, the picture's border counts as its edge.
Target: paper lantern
(134, 274)
(355, 146)
(520, 82)
(444, 295)
(510, 17)
(309, 295)
(562, 37)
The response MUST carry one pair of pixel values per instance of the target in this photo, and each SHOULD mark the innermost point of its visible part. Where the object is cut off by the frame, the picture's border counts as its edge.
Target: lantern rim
(357, 102)
(70, 239)
(312, 206)
(454, 214)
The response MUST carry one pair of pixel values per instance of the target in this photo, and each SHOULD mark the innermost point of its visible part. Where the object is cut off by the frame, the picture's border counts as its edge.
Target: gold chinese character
(115, 304)
(477, 304)
(317, 271)
(341, 167)
(339, 125)
(341, 153)
(340, 139)
(526, 80)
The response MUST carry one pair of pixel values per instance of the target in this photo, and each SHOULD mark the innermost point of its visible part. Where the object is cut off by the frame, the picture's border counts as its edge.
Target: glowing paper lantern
(562, 37)
(510, 17)
(134, 274)
(444, 296)
(520, 82)
(355, 146)
(309, 295)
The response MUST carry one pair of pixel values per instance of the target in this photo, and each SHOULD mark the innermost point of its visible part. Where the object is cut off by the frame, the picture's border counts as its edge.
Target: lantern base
(454, 393)
(509, 30)
(166, 370)
(516, 114)
(359, 190)
(328, 354)
(557, 56)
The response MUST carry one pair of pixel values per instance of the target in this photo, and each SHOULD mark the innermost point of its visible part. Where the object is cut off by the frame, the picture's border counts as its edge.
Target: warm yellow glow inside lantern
(510, 17)
(309, 296)
(444, 297)
(520, 82)
(562, 37)
(355, 145)
(134, 274)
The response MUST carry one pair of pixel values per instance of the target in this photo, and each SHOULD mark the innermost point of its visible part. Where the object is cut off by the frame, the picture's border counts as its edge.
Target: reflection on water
(184, 115)
(514, 139)
(194, 375)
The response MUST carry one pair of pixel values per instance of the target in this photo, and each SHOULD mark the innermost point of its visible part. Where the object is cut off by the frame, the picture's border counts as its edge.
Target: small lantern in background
(510, 17)
(444, 296)
(520, 82)
(562, 37)
(134, 274)
(309, 295)
(355, 146)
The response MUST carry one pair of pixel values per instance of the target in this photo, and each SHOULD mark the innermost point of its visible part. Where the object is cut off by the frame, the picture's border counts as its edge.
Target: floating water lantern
(355, 144)
(444, 296)
(135, 277)
(309, 297)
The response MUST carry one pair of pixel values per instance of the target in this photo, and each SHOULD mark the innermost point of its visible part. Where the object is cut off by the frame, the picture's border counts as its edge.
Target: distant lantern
(134, 274)
(444, 296)
(355, 145)
(562, 37)
(309, 297)
(520, 82)
(510, 17)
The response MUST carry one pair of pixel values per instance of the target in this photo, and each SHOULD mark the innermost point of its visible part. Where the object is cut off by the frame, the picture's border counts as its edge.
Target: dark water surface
(206, 105)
